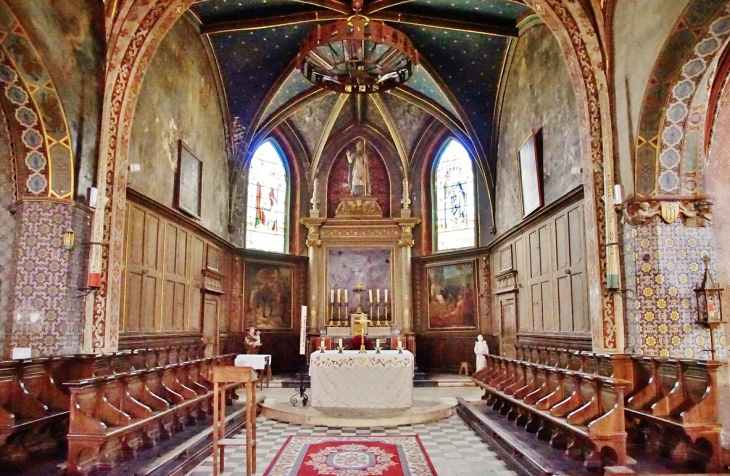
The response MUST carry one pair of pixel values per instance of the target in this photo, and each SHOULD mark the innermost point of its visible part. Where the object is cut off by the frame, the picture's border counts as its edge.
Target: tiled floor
(453, 448)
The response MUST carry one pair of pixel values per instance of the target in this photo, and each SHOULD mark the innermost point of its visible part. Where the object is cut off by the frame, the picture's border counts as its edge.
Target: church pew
(113, 417)
(675, 410)
(33, 410)
(576, 411)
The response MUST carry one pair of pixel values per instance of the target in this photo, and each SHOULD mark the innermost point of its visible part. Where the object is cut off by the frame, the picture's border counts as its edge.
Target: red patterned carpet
(351, 456)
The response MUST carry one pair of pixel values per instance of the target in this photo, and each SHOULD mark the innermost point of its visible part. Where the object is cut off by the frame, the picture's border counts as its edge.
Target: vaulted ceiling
(463, 45)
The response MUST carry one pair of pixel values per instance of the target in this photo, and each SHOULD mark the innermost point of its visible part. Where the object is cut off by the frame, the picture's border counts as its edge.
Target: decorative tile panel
(663, 267)
(48, 308)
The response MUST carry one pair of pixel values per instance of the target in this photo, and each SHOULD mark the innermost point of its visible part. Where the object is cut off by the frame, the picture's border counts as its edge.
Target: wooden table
(223, 375)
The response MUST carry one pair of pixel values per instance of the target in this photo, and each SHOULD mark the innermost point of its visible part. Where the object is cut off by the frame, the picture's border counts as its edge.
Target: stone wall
(538, 97)
(179, 101)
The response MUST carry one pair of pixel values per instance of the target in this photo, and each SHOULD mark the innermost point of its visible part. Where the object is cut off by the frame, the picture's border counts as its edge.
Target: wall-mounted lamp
(68, 239)
(709, 306)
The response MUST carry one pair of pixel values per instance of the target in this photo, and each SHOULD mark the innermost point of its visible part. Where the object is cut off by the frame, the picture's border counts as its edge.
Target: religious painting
(452, 296)
(530, 175)
(371, 269)
(268, 292)
(189, 181)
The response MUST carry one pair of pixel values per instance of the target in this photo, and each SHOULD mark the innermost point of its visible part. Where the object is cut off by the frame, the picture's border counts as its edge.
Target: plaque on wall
(530, 175)
(188, 181)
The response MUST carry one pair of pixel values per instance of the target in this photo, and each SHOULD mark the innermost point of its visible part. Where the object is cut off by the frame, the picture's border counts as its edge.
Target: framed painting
(452, 302)
(530, 176)
(188, 181)
(268, 295)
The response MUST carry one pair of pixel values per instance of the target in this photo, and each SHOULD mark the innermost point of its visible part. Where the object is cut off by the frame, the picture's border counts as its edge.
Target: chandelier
(357, 55)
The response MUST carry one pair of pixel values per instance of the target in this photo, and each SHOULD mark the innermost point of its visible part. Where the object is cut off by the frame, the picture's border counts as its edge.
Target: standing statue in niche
(358, 175)
(481, 349)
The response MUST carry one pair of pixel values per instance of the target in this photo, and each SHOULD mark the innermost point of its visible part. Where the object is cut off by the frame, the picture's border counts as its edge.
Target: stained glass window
(266, 217)
(454, 184)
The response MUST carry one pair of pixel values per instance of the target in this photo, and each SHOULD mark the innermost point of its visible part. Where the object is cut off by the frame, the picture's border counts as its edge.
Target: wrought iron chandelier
(357, 55)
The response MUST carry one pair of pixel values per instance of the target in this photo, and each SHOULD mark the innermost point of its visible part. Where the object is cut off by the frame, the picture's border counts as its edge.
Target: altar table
(361, 381)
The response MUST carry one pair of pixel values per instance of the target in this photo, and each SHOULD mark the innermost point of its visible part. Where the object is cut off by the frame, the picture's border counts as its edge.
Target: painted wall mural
(37, 119)
(268, 295)
(538, 96)
(346, 268)
(452, 296)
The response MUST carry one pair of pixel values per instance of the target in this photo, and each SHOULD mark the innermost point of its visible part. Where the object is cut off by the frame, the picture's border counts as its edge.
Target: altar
(362, 381)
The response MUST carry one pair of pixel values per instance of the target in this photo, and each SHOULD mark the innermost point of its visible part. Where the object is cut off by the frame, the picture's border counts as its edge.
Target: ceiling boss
(357, 55)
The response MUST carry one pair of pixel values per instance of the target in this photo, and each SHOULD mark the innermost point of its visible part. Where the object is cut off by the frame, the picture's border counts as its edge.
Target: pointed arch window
(267, 203)
(454, 198)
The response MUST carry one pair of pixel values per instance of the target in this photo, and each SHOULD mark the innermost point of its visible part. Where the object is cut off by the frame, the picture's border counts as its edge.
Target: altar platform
(429, 405)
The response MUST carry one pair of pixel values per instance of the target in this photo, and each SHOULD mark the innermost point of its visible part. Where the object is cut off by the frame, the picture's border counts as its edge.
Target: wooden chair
(223, 375)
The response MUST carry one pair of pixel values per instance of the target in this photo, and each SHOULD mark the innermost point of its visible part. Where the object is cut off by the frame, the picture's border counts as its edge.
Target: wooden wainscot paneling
(174, 279)
(540, 290)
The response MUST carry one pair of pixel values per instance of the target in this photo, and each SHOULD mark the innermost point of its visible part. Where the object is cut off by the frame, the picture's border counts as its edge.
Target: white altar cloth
(361, 381)
(255, 361)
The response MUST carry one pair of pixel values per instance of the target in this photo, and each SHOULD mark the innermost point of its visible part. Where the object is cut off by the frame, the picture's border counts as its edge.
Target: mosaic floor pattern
(452, 447)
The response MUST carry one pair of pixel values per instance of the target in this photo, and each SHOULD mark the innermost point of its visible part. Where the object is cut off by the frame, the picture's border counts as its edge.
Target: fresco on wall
(338, 187)
(451, 296)
(348, 268)
(268, 295)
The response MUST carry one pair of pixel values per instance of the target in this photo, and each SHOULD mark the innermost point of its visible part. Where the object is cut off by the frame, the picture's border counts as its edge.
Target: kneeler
(223, 376)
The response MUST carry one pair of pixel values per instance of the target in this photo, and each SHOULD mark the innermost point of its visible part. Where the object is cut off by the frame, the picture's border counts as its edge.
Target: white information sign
(303, 332)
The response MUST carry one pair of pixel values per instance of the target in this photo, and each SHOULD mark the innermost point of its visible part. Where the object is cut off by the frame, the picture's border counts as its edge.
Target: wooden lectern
(223, 375)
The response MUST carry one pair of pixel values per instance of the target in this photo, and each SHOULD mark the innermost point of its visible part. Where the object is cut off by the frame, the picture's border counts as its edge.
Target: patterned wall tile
(663, 267)
(7, 228)
(48, 308)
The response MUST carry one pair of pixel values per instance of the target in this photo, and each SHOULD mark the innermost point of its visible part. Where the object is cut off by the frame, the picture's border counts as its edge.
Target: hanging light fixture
(357, 55)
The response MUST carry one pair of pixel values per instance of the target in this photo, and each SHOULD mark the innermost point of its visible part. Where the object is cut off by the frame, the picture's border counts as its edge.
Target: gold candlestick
(362, 341)
(332, 314)
(377, 322)
(322, 348)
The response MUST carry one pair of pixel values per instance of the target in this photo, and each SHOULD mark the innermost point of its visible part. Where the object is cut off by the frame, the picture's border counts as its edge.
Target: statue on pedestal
(481, 349)
(359, 172)
(252, 341)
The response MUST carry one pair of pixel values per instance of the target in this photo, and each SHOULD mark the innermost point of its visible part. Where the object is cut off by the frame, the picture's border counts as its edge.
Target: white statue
(481, 349)
(315, 201)
(359, 173)
(252, 341)
(406, 195)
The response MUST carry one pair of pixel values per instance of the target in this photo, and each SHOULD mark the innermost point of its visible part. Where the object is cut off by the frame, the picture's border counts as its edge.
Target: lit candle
(386, 295)
(345, 296)
(339, 295)
(340, 343)
(400, 346)
(370, 295)
(377, 343)
(378, 295)
(332, 296)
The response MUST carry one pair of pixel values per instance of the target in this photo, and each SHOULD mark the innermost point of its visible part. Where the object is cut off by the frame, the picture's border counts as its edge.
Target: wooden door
(508, 322)
(143, 283)
(211, 306)
(570, 305)
(177, 283)
(197, 264)
(539, 279)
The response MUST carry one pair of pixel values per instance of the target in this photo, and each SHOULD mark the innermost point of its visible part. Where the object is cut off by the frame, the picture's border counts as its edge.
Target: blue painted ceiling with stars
(254, 58)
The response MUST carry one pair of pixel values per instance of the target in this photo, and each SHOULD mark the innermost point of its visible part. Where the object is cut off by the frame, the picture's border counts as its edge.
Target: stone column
(317, 308)
(405, 244)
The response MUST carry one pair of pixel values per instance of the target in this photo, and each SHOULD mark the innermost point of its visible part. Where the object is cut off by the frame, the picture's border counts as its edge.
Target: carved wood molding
(213, 281)
(506, 282)
(692, 212)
